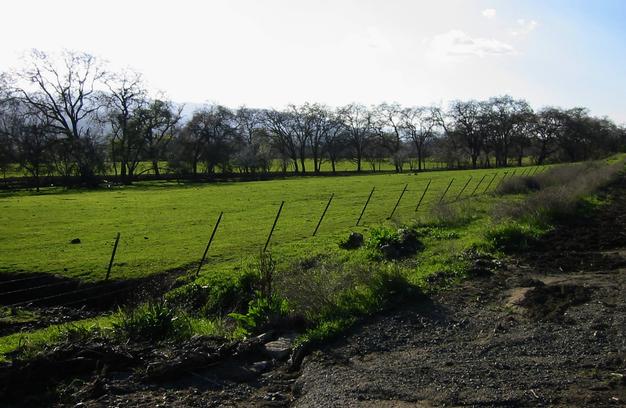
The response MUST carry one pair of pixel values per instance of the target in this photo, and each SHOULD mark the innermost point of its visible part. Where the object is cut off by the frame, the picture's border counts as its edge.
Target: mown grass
(165, 226)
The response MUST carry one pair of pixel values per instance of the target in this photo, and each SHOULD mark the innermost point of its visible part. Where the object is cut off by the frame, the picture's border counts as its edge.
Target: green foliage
(263, 311)
(513, 236)
(436, 232)
(151, 322)
(382, 235)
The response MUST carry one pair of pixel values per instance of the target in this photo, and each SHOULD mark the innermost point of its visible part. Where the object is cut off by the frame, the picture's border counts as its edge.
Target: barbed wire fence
(71, 292)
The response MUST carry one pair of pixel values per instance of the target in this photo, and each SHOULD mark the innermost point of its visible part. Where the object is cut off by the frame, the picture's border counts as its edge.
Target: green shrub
(151, 321)
(381, 236)
(512, 236)
(263, 312)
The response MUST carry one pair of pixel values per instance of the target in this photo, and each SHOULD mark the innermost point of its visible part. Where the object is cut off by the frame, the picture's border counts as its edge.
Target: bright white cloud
(456, 43)
(489, 13)
(524, 27)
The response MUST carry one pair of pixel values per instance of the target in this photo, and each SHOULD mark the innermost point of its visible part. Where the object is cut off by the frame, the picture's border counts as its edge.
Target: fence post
(117, 240)
(423, 194)
(209, 244)
(273, 226)
(491, 181)
(324, 213)
(398, 202)
(365, 206)
(501, 180)
(447, 188)
(463, 189)
(478, 185)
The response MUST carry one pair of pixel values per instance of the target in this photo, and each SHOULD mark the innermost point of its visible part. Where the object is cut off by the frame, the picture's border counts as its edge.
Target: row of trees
(66, 115)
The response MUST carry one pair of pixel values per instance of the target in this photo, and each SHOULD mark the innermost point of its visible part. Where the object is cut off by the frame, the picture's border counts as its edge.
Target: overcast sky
(270, 53)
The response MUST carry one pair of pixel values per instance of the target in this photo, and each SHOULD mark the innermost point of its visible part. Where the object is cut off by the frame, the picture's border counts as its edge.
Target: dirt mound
(549, 302)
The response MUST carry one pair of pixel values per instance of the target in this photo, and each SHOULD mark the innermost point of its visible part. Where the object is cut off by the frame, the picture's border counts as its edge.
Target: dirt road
(546, 328)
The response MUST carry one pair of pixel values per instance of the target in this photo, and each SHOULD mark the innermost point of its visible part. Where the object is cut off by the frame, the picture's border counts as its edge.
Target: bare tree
(463, 127)
(357, 120)
(126, 96)
(157, 123)
(254, 151)
(419, 124)
(502, 119)
(281, 127)
(64, 91)
(334, 139)
(386, 124)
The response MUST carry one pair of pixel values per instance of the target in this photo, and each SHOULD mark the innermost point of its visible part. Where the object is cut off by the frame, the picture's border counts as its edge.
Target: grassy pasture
(165, 225)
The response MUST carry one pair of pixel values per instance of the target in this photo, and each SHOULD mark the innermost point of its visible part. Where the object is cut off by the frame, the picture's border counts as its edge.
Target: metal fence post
(447, 188)
(365, 206)
(478, 185)
(117, 240)
(423, 194)
(398, 202)
(273, 226)
(324, 213)
(463, 189)
(490, 181)
(209, 244)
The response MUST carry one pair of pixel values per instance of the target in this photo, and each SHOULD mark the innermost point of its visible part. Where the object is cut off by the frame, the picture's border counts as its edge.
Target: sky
(268, 53)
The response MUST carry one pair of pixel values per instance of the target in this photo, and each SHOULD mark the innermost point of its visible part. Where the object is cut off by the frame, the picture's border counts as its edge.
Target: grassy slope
(166, 226)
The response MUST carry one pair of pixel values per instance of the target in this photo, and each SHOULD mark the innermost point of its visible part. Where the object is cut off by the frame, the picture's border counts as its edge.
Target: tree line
(69, 116)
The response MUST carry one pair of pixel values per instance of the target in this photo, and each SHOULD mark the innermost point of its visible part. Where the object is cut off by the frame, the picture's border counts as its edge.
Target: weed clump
(451, 214)
(354, 241)
(394, 244)
(519, 185)
(151, 321)
(513, 236)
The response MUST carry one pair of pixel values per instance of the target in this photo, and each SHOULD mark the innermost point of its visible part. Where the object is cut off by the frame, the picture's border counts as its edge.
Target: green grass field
(165, 226)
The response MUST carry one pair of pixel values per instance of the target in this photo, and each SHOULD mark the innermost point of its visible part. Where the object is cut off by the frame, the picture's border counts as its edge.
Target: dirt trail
(547, 329)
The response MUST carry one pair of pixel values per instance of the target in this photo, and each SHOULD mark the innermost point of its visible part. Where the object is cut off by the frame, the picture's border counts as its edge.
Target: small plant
(151, 321)
(381, 236)
(263, 311)
(513, 236)
(265, 308)
(394, 244)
